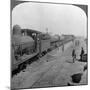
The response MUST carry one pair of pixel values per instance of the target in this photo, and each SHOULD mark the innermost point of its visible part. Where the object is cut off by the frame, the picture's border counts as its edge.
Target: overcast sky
(58, 18)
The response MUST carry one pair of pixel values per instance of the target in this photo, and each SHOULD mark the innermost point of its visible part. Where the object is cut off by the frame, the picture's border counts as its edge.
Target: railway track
(35, 58)
(28, 62)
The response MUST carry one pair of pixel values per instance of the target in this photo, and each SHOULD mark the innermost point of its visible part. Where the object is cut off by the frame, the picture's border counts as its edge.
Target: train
(28, 43)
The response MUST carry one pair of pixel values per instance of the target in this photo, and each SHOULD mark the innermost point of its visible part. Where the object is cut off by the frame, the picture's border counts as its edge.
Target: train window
(34, 34)
(23, 34)
(38, 39)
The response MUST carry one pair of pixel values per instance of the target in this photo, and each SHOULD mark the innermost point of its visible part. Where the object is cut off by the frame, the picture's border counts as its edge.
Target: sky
(58, 18)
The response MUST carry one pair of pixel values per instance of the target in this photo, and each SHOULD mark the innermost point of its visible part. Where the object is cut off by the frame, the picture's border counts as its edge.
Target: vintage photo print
(49, 44)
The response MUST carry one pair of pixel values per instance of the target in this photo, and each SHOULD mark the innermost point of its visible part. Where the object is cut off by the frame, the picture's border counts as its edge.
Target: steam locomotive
(27, 43)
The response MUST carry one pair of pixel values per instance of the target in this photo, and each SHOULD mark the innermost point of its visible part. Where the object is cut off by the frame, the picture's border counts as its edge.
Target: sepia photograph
(49, 44)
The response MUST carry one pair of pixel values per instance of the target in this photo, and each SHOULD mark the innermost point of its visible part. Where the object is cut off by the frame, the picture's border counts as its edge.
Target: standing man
(73, 55)
(63, 47)
(82, 53)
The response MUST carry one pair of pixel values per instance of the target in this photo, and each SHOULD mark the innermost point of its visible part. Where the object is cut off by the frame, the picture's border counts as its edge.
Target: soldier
(73, 55)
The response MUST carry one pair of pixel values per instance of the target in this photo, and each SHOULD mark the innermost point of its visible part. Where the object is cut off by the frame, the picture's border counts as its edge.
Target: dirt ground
(54, 69)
